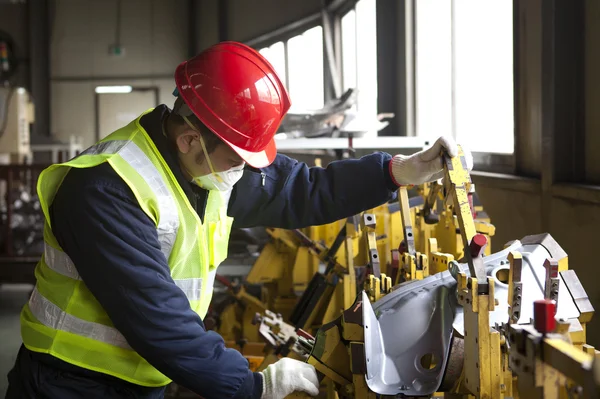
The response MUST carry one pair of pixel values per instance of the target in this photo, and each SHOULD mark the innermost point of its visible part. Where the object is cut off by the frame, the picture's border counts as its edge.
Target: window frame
(286, 32)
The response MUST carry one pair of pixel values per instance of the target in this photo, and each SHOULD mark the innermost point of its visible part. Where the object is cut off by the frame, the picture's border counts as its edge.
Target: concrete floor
(12, 299)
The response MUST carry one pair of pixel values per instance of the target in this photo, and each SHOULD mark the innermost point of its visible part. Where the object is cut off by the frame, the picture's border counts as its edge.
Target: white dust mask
(220, 181)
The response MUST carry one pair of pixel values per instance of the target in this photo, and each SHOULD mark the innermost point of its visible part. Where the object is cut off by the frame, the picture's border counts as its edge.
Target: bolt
(518, 289)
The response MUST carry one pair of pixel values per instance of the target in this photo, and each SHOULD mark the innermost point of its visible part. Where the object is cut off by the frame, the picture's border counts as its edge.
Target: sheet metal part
(395, 347)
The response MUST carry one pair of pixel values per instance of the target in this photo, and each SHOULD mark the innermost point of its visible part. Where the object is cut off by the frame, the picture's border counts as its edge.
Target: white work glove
(427, 165)
(287, 376)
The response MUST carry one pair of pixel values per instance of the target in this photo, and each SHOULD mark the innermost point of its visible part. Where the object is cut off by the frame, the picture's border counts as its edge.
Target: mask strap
(203, 149)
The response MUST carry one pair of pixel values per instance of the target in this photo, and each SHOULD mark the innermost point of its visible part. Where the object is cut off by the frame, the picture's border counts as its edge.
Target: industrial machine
(508, 324)
(285, 268)
(294, 260)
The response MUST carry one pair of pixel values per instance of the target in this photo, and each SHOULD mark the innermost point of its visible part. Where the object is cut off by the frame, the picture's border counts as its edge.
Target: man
(137, 225)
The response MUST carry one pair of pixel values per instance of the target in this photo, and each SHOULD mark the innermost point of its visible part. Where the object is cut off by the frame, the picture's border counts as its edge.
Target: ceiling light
(113, 89)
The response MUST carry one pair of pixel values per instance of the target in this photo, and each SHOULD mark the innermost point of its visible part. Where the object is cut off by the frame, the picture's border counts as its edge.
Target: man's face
(193, 157)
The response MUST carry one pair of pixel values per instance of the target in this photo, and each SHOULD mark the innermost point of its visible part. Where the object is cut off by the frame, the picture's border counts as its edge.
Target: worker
(137, 224)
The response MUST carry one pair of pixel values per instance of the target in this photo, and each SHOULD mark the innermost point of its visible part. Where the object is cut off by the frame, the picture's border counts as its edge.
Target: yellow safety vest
(63, 318)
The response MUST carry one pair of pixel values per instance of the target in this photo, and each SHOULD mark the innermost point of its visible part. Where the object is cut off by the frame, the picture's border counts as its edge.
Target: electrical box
(16, 115)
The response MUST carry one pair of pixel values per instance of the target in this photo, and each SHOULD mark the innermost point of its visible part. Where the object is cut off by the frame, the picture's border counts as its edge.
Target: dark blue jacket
(113, 243)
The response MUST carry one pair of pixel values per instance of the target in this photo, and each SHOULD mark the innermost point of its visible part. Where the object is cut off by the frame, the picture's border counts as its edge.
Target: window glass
(305, 67)
(484, 75)
(433, 88)
(481, 112)
(275, 54)
(359, 58)
(349, 61)
(366, 49)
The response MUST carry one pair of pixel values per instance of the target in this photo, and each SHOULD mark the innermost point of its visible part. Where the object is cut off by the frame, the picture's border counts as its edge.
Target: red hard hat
(236, 93)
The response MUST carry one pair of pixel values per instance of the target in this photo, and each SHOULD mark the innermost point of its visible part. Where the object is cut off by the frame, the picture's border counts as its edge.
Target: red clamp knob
(543, 315)
(477, 245)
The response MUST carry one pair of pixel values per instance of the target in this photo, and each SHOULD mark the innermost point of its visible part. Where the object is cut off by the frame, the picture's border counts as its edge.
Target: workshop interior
(482, 284)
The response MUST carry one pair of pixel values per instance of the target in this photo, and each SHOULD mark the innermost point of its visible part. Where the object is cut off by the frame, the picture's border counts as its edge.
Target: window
(464, 86)
(303, 74)
(305, 57)
(359, 55)
(275, 54)
(349, 59)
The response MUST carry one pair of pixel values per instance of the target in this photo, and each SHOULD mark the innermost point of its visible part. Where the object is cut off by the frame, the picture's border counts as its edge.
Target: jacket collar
(152, 122)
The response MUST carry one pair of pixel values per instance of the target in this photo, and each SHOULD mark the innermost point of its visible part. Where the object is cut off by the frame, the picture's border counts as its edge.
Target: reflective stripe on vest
(61, 263)
(54, 317)
(135, 157)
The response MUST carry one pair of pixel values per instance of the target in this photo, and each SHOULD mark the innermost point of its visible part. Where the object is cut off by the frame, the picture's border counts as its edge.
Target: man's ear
(187, 140)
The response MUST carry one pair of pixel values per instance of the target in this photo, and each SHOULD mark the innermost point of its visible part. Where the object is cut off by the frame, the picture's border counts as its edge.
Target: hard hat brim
(259, 159)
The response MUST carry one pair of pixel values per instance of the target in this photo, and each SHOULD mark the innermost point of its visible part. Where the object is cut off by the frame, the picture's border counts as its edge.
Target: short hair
(180, 109)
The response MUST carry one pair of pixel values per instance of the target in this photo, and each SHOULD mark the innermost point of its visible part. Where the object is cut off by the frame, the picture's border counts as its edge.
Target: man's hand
(425, 166)
(287, 376)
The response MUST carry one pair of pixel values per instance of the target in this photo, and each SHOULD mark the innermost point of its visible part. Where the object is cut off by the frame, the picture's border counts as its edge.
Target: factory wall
(153, 34)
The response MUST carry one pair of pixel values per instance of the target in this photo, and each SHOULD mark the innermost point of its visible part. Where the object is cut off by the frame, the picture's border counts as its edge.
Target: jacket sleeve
(114, 246)
(289, 194)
